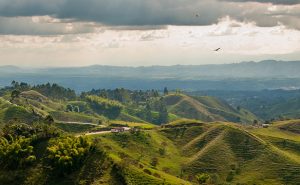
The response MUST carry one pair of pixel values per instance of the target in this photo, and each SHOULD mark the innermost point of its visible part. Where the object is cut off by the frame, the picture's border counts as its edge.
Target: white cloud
(174, 45)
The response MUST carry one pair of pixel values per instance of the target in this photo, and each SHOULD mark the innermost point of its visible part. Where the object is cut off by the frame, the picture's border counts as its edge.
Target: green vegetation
(109, 108)
(15, 152)
(75, 127)
(17, 113)
(67, 154)
(206, 109)
(172, 139)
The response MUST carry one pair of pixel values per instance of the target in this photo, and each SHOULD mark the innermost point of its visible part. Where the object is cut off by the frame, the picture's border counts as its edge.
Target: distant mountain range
(268, 74)
(263, 69)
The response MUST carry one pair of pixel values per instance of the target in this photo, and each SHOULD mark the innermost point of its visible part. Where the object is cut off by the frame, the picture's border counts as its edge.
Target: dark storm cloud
(27, 26)
(279, 2)
(152, 14)
(116, 12)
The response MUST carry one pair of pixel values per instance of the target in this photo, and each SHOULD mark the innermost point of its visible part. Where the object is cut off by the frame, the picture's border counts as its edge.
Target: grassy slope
(206, 109)
(290, 108)
(231, 153)
(135, 151)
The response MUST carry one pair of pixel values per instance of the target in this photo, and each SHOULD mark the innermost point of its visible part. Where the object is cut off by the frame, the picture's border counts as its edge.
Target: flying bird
(217, 49)
(197, 15)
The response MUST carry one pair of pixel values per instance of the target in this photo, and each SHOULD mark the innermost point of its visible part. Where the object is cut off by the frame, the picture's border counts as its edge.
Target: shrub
(68, 153)
(230, 176)
(162, 151)
(154, 161)
(147, 171)
(203, 178)
(16, 152)
(35, 132)
(109, 108)
(156, 175)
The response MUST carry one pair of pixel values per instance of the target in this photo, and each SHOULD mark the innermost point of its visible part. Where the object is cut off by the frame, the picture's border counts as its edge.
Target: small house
(120, 129)
(126, 128)
(265, 125)
(117, 130)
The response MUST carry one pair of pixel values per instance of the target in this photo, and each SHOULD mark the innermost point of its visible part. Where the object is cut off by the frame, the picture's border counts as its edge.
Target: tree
(203, 178)
(16, 152)
(163, 112)
(255, 122)
(68, 153)
(148, 114)
(13, 83)
(69, 108)
(154, 161)
(109, 108)
(166, 92)
(162, 151)
(76, 109)
(49, 119)
(15, 94)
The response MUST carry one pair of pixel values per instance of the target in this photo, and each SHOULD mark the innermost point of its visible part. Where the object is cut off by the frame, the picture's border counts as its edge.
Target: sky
(46, 33)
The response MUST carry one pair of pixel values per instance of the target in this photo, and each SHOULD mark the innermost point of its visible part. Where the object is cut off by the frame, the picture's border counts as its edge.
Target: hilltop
(34, 105)
(207, 109)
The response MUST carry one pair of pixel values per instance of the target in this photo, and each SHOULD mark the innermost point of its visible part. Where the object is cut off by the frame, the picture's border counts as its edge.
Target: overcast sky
(147, 32)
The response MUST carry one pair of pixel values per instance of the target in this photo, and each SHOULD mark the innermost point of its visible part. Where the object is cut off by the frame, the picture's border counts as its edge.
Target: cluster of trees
(17, 141)
(16, 152)
(159, 106)
(72, 108)
(108, 108)
(203, 178)
(123, 95)
(68, 153)
(36, 132)
(55, 91)
(64, 153)
(22, 86)
(50, 90)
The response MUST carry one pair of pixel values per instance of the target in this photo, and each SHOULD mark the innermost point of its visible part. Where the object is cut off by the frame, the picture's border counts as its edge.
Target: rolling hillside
(206, 109)
(233, 154)
(206, 143)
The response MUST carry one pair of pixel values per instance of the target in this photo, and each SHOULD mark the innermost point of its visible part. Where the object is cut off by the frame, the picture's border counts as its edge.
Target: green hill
(233, 154)
(177, 153)
(203, 141)
(17, 113)
(289, 108)
(206, 109)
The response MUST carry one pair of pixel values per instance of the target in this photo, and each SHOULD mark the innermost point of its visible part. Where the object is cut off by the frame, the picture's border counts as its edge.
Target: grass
(75, 117)
(206, 109)
(275, 132)
(142, 148)
(75, 128)
(134, 124)
(15, 112)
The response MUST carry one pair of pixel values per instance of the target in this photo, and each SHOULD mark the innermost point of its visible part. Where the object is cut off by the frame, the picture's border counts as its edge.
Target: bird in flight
(217, 49)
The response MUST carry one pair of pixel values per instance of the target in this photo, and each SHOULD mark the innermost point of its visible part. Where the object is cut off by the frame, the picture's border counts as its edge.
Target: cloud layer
(144, 13)
(279, 2)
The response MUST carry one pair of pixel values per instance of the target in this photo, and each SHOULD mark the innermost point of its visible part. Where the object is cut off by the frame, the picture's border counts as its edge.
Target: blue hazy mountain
(268, 74)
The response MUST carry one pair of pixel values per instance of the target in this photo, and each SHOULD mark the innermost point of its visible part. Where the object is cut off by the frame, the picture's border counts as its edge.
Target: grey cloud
(27, 26)
(279, 2)
(152, 14)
